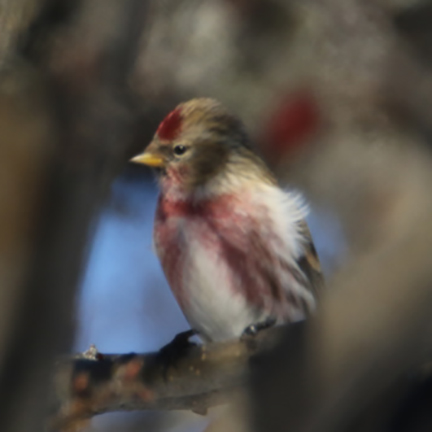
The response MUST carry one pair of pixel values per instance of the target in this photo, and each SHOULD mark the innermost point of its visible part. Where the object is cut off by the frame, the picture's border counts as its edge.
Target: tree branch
(204, 376)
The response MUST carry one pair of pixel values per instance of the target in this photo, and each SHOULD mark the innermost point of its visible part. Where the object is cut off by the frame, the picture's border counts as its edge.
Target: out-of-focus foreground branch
(65, 127)
(355, 367)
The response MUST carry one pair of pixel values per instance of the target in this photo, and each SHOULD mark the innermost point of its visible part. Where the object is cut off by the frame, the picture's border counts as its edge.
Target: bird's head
(196, 142)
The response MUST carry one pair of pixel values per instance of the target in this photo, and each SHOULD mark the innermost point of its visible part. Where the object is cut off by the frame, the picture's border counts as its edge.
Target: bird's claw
(169, 354)
(253, 329)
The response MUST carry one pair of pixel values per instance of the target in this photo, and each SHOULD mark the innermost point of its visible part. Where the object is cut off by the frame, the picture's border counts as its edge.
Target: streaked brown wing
(309, 263)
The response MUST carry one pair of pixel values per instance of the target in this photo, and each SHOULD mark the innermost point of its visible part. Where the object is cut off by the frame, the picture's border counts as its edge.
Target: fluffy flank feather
(298, 207)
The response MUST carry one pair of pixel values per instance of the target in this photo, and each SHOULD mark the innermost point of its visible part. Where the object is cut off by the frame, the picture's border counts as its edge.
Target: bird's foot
(254, 329)
(169, 354)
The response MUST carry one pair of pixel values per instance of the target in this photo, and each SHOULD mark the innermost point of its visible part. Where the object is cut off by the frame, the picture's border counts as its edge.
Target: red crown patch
(170, 126)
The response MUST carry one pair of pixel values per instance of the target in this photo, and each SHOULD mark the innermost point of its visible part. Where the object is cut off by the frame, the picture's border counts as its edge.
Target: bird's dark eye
(180, 150)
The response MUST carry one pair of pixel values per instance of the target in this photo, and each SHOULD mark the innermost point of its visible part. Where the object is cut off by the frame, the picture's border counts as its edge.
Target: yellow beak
(150, 159)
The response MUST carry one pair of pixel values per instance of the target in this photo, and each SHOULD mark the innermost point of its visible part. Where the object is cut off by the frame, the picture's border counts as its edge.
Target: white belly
(214, 309)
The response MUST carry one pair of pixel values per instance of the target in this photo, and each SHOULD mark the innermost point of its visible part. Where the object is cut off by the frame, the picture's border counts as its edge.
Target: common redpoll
(234, 246)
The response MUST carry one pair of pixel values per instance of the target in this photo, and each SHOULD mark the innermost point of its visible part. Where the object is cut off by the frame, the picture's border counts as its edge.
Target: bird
(233, 244)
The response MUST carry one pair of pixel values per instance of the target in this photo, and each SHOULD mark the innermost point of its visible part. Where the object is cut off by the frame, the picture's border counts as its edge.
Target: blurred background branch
(336, 95)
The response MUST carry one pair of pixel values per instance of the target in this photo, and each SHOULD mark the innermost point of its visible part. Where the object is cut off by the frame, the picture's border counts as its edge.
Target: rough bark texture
(202, 377)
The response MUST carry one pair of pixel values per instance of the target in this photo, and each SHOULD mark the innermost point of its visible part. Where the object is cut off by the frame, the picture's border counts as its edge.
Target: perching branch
(204, 376)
